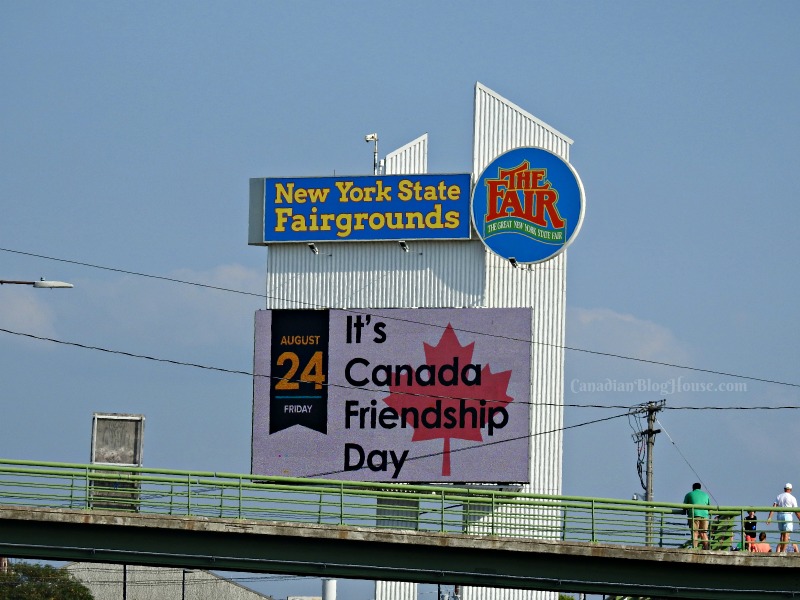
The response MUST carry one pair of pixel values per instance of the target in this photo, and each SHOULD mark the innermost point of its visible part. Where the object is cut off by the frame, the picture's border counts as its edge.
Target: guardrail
(436, 508)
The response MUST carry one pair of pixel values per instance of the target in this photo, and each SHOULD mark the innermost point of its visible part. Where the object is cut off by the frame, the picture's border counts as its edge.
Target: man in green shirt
(698, 517)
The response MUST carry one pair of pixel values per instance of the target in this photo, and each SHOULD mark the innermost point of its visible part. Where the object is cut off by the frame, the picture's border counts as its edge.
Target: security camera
(371, 137)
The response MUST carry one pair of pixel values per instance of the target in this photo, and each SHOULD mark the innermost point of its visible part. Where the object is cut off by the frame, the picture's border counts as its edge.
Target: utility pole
(652, 409)
(649, 437)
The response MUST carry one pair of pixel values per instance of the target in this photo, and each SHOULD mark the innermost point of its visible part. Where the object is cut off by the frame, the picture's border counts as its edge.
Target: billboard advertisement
(528, 205)
(362, 208)
(402, 395)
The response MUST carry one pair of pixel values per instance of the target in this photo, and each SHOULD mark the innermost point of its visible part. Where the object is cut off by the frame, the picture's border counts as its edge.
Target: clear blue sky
(128, 133)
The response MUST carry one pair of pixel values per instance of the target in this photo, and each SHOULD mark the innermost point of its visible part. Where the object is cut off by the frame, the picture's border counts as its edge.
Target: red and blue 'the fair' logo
(528, 205)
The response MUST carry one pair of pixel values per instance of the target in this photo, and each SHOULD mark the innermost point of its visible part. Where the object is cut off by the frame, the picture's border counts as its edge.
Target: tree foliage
(27, 581)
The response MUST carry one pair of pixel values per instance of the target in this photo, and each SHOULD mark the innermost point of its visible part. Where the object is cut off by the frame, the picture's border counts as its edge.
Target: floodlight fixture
(513, 262)
(403, 245)
(313, 247)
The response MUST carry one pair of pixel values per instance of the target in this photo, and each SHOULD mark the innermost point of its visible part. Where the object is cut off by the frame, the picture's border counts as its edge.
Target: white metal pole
(328, 589)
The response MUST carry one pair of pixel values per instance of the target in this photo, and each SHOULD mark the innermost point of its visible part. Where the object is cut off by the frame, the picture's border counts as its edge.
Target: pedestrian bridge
(427, 534)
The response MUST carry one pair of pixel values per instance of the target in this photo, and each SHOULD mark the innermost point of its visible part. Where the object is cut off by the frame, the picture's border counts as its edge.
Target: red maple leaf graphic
(462, 399)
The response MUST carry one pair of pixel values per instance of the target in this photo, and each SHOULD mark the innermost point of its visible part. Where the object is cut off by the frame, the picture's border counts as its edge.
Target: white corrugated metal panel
(483, 593)
(375, 275)
(500, 126)
(397, 512)
(541, 286)
(411, 159)
(395, 590)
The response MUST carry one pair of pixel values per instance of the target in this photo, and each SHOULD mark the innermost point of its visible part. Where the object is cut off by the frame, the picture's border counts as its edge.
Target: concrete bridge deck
(370, 553)
(427, 534)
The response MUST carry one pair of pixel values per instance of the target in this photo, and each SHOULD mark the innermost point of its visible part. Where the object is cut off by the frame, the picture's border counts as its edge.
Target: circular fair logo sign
(528, 205)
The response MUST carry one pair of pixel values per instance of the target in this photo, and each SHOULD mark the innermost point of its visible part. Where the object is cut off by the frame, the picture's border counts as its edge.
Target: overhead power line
(323, 474)
(686, 460)
(367, 389)
(124, 353)
(494, 443)
(360, 311)
(237, 372)
(434, 454)
(125, 272)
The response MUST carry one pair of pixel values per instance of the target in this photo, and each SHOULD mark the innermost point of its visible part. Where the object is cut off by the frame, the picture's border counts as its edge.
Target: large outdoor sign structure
(526, 206)
(414, 395)
(404, 395)
(363, 389)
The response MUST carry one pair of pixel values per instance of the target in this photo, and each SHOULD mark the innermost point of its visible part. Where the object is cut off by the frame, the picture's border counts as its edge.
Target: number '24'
(311, 373)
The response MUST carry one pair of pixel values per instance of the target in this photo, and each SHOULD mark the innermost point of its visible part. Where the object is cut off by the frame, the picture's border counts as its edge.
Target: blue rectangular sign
(363, 208)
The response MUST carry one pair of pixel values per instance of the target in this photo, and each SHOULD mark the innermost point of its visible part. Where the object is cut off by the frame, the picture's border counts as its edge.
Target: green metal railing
(447, 509)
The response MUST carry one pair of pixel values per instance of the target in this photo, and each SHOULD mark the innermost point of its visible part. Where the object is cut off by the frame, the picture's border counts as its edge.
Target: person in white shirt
(785, 519)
